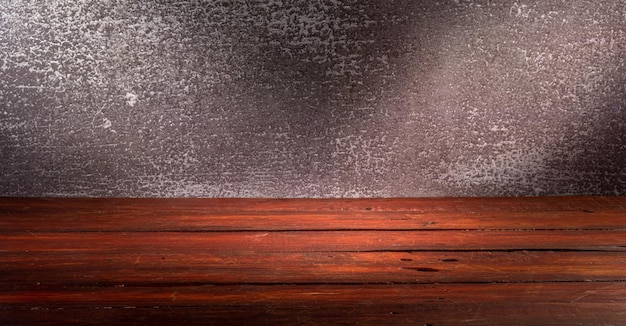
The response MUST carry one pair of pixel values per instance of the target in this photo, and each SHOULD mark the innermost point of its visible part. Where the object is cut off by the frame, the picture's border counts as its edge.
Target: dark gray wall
(312, 98)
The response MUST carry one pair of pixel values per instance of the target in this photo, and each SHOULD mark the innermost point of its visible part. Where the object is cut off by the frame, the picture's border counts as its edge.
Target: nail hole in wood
(422, 269)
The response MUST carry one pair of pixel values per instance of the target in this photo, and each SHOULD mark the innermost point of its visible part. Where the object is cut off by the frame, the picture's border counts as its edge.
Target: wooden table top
(429, 261)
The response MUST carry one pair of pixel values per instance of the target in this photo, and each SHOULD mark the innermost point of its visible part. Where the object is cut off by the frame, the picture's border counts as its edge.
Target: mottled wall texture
(312, 98)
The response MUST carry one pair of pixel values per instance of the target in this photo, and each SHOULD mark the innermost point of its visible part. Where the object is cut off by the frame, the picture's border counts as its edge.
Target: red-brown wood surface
(585, 303)
(434, 261)
(588, 213)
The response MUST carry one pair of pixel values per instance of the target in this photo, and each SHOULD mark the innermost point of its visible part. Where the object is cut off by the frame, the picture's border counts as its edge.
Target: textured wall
(316, 98)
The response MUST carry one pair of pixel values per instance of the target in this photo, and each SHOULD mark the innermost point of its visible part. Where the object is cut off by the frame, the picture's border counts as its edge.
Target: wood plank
(184, 267)
(460, 204)
(159, 205)
(309, 241)
(330, 294)
(305, 221)
(454, 304)
(506, 313)
(574, 213)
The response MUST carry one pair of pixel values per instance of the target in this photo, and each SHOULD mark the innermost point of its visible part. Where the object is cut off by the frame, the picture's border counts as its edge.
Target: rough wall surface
(312, 98)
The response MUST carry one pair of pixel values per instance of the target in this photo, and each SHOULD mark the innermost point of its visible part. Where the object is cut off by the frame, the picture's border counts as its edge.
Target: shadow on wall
(312, 98)
(601, 158)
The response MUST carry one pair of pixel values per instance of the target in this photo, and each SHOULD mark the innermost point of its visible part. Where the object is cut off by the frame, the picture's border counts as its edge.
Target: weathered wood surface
(438, 261)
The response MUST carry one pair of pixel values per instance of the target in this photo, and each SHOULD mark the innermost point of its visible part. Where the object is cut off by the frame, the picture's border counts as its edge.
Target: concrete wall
(312, 98)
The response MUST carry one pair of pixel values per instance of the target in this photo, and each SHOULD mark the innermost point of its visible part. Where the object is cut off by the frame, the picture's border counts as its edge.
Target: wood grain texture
(227, 214)
(447, 261)
(436, 304)
(171, 267)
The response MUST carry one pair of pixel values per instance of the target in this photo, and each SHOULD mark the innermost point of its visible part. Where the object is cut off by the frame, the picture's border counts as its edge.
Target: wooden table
(434, 261)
